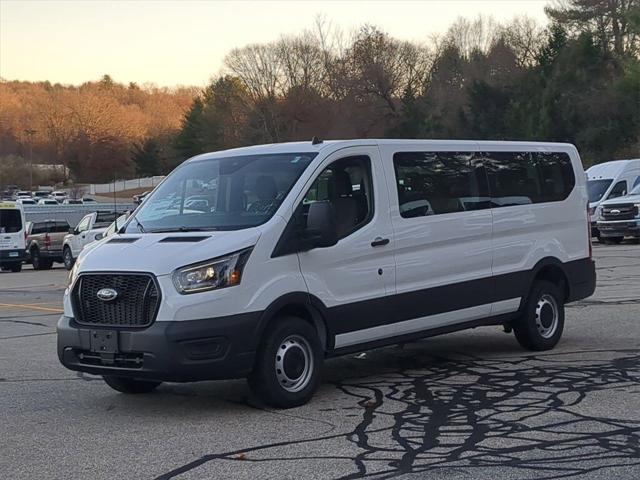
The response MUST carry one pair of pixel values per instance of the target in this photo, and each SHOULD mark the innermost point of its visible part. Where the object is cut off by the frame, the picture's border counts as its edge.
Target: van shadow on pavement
(536, 416)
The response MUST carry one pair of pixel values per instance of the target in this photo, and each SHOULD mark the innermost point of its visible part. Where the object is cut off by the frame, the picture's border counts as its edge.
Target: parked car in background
(48, 201)
(23, 194)
(44, 242)
(26, 201)
(87, 230)
(41, 194)
(59, 195)
(12, 236)
(89, 200)
(620, 217)
(610, 180)
(72, 201)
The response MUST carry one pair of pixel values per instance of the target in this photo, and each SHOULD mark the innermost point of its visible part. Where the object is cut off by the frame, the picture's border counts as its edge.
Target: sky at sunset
(184, 42)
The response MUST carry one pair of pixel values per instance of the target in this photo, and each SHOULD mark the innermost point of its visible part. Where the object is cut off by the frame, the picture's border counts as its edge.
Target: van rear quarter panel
(525, 234)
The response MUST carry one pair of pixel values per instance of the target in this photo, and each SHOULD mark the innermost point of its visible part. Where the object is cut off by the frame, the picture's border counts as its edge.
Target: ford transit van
(607, 181)
(262, 262)
(12, 236)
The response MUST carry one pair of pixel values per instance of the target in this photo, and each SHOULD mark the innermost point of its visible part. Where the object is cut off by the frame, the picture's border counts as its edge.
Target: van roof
(611, 169)
(308, 147)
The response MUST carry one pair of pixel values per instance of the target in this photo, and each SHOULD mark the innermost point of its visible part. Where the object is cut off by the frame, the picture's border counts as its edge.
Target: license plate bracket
(103, 341)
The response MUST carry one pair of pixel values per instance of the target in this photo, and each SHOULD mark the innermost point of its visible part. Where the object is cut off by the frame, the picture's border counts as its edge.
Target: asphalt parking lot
(466, 405)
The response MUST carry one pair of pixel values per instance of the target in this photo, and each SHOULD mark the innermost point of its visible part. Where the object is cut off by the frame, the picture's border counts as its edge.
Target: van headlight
(73, 274)
(217, 273)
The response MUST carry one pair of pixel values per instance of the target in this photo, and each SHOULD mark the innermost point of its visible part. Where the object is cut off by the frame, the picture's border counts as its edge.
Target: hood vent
(192, 239)
(124, 240)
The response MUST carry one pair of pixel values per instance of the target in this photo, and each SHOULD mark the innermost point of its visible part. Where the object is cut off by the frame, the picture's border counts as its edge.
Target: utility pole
(30, 133)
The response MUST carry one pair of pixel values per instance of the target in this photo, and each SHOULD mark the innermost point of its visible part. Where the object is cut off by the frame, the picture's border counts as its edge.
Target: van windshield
(220, 194)
(597, 189)
(10, 220)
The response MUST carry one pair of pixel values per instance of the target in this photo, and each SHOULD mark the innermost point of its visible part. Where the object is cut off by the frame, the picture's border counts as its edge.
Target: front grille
(619, 212)
(136, 304)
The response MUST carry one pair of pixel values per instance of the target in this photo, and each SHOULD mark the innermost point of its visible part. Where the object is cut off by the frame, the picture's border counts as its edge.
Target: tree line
(576, 80)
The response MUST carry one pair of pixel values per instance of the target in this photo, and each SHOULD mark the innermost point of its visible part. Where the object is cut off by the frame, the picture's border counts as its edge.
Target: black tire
(614, 240)
(67, 258)
(36, 259)
(16, 267)
(296, 381)
(130, 385)
(542, 322)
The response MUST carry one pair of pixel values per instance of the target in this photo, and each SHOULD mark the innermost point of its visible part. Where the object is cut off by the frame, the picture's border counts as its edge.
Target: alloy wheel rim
(547, 316)
(294, 363)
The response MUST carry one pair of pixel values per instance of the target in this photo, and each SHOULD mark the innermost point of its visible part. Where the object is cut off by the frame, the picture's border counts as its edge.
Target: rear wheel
(67, 258)
(288, 364)
(130, 385)
(542, 322)
(38, 262)
(16, 267)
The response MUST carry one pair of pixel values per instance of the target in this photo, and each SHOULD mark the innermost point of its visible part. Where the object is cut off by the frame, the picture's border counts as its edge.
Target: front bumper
(182, 351)
(619, 228)
(11, 257)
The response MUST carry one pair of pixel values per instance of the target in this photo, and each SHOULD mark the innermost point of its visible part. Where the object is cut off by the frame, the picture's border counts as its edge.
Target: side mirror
(99, 236)
(321, 227)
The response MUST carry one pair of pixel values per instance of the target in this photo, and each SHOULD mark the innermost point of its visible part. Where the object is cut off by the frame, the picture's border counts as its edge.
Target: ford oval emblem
(615, 211)
(107, 294)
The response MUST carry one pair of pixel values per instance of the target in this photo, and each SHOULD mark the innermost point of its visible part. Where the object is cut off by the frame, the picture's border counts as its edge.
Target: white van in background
(12, 236)
(610, 180)
(261, 262)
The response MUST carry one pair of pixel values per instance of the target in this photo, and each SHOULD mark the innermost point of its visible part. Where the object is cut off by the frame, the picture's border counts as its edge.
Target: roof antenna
(315, 140)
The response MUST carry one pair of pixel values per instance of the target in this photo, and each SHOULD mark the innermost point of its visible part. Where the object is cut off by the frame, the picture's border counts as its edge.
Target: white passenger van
(261, 262)
(12, 236)
(609, 180)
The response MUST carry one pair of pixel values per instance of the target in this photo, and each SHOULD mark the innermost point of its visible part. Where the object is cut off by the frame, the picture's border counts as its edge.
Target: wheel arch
(297, 304)
(551, 269)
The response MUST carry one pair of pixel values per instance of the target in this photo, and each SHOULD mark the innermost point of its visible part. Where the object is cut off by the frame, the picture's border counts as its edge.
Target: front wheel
(16, 267)
(130, 385)
(542, 322)
(288, 364)
(67, 258)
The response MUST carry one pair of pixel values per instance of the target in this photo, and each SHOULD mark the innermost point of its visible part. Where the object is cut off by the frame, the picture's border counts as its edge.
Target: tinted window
(38, 228)
(58, 227)
(10, 220)
(597, 188)
(347, 184)
(522, 178)
(618, 190)
(636, 183)
(433, 183)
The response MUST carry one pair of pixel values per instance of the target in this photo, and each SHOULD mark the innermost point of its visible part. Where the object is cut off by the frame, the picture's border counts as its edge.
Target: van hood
(162, 253)
(622, 200)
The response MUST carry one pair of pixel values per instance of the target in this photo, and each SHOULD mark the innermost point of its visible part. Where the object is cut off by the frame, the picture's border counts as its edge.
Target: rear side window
(10, 220)
(58, 227)
(434, 183)
(38, 228)
(522, 178)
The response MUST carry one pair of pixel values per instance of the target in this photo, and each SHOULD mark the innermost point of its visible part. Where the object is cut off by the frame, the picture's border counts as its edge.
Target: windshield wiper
(139, 225)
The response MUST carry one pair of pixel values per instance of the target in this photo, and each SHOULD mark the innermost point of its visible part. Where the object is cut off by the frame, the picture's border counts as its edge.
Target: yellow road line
(31, 307)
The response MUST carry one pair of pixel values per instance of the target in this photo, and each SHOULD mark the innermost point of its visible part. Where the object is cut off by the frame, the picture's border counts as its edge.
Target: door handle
(379, 241)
